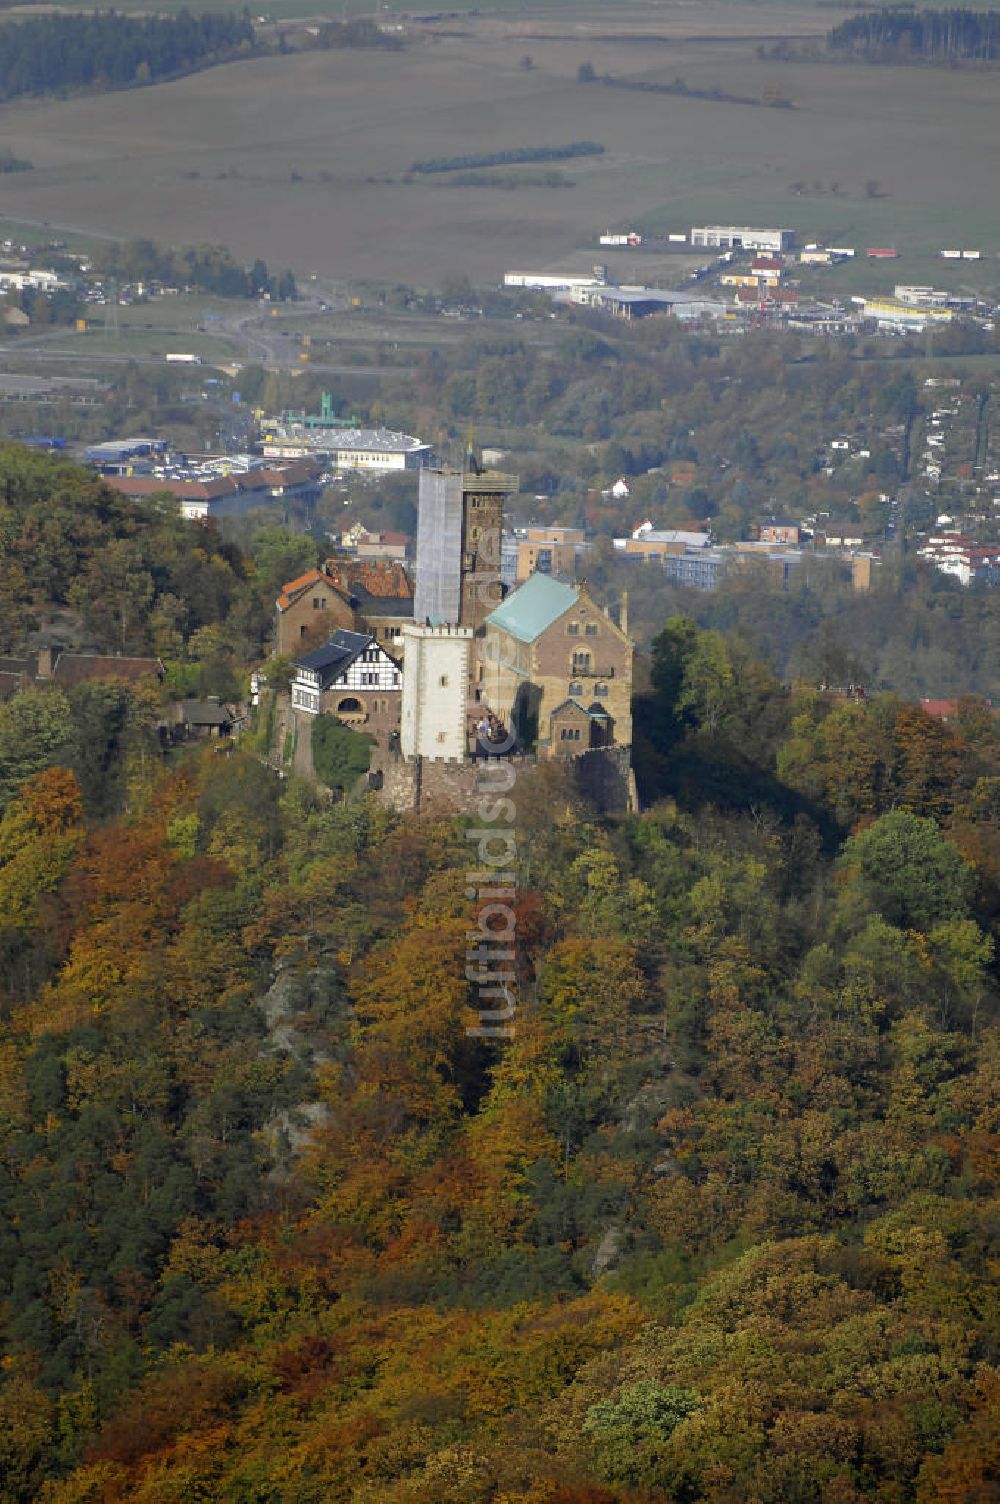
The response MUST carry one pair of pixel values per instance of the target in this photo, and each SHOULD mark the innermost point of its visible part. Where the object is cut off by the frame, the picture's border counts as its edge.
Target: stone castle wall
(420, 785)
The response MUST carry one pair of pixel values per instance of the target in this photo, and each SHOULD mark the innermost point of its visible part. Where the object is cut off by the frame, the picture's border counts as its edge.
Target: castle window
(600, 689)
(444, 681)
(591, 629)
(576, 689)
(581, 662)
(573, 630)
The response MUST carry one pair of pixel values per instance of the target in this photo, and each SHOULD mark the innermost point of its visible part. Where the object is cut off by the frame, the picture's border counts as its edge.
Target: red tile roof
(295, 473)
(275, 477)
(191, 490)
(939, 709)
(312, 577)
(385, 578)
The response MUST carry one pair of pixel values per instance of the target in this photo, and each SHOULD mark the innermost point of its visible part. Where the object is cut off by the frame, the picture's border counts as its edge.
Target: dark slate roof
(204, 713)
(17, 666)
(342, 648)
(383, 605)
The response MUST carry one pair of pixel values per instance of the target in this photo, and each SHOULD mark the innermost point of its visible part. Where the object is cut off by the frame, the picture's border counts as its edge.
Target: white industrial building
(741, 237)
(435, 692)
(346, 448)
(40, 280)
(920, 297)
(890, 313)
(551, 281)
(379, 449)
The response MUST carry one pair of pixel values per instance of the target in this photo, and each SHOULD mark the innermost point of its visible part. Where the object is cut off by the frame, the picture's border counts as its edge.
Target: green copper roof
(527, 611)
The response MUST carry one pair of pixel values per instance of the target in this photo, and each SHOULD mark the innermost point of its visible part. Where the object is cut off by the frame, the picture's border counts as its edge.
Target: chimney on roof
(43, 669)
(623, 613)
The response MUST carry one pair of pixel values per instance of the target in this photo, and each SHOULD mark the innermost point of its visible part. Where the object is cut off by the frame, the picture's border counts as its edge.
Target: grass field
(614, 11)
(302, 159)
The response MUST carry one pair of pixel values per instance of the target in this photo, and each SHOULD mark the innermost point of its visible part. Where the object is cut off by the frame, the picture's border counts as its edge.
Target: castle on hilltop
(540, 673)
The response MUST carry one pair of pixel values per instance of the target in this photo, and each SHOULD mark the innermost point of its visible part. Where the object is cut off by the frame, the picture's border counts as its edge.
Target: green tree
(911, 873)
(625, 1429)
(36, 732)
(278, 556)
(340, 755)
(113, 595)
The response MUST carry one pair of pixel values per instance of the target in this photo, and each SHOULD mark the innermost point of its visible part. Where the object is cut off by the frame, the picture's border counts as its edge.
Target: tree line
(680, 89)
(509, 157)
(108, 50)
(361, 32)
(210, 268)
(905, 35)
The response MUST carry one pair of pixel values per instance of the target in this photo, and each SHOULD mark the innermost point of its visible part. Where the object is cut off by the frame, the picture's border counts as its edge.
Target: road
(81, 356)
(255, 333)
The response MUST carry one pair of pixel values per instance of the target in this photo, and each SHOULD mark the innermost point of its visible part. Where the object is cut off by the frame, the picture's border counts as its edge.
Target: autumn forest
(718, 1222)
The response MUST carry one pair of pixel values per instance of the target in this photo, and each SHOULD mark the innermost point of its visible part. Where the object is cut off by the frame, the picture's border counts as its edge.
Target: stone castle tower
(459, 534)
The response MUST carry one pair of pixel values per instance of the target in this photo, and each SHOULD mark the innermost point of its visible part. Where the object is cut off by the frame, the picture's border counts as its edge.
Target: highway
(254, 333)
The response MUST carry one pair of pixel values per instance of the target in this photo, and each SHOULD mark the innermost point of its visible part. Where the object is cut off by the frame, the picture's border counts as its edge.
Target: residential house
(308, 610)
(957, 554)
(356, 680)
(779, 530)
(203, 718)
(386, 545)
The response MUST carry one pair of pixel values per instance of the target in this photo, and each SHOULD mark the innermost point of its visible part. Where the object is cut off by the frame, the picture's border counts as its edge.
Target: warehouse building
(891, 313)
(640, 302)
(741, 237)
(551, 281)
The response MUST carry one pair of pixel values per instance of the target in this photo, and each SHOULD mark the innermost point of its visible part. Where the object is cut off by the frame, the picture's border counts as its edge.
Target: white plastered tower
(435, 692)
